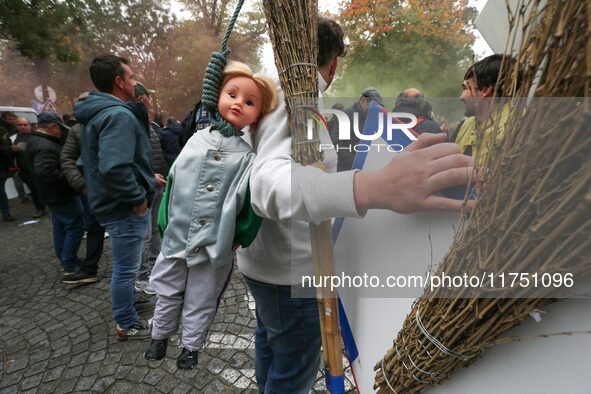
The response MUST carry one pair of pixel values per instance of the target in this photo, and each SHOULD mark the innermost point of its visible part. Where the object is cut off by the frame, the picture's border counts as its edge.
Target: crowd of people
(177, 218)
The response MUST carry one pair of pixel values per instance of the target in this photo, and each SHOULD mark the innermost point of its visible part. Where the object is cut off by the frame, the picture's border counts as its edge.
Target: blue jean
(287, 342)
(68, 229)
(127, 241)
(3, 197)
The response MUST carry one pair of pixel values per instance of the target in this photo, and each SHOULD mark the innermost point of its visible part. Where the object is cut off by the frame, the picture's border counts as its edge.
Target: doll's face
(240, 102)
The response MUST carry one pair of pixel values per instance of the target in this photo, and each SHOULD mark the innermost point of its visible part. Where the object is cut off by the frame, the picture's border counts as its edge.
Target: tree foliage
(396, 44)
(166, 54)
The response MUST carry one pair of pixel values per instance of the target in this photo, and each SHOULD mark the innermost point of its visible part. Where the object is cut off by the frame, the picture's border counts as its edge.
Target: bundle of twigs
(293, 31)
(533, 216)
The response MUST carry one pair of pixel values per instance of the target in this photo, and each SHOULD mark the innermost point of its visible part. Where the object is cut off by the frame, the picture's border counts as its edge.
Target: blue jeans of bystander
(68, 229)
(288, 340)
(127, 240)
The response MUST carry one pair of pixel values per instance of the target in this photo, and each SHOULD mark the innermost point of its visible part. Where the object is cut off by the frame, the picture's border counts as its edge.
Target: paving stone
(97, 356)
(66, 386)
(73, 372)
(102, 384)
(122, 371)
(181, 389)
(137, 374)
(35, 369)
(40, 354)
(10, 380)
(214, 387)
(238, 360)
(107, 370)
(230, 375)
(15, 364)
(154, 376)
(54, 373)
(85, 383)
(215, 366)
(49, 387)
(202, 379)
(61, 360)
(91, 369)
(167, 384)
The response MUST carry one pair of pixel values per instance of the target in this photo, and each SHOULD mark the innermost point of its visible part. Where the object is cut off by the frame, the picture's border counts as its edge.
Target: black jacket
(44, 154)
(158, 161)
(170, 137)
(5, 151)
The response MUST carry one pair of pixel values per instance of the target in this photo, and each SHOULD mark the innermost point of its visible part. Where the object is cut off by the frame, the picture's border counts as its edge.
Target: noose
(212, 81)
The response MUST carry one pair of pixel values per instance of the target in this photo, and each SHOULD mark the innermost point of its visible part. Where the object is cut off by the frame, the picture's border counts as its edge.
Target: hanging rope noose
(212, 81)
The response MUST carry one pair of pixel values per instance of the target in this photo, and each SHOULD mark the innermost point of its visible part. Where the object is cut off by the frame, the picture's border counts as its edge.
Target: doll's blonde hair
(266, 85)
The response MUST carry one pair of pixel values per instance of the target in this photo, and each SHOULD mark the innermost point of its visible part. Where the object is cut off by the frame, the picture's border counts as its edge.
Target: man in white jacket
(289, 196)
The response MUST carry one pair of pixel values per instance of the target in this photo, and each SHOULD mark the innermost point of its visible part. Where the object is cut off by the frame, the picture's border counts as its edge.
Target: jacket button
(217, 157)
(209, 188)
(203, 222)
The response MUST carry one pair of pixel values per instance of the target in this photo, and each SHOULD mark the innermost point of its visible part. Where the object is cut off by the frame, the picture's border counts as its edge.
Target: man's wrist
(362, 191)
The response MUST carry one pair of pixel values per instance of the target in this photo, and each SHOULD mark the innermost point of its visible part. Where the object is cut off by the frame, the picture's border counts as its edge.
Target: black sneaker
(144, 305)
(67, 275)
(187, 359)
(139, 330)
(79, 278)
(8, 218)
(156, 350)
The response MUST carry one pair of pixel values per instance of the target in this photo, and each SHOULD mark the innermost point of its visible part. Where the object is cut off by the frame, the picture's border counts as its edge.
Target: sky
(480, 47)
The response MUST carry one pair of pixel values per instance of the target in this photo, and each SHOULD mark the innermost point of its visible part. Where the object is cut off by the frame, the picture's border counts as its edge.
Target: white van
(22, 112)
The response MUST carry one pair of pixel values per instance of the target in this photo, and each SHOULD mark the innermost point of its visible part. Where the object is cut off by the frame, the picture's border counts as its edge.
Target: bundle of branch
(534, 216)
(293, 32)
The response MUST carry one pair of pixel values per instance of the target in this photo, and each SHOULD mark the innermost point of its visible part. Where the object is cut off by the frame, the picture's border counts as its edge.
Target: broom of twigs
(293, 32)
(533, 216)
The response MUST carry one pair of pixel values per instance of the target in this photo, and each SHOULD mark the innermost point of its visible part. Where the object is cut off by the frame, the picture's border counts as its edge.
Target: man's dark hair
(331, 41)
(486, 73)
(8, 114)
(104, 69)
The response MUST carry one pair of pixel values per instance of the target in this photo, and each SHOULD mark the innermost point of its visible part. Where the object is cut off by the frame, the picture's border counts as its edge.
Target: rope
(214, 75)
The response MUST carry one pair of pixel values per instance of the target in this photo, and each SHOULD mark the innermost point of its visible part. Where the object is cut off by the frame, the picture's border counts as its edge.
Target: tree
(59, 38)
(396, 44)
(42, 30)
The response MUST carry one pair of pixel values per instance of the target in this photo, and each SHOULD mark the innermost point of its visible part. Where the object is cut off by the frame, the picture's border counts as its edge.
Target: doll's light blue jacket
(207, 198)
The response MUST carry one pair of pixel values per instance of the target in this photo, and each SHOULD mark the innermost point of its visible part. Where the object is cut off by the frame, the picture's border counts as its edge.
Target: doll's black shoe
(156, 350)
(187, 359)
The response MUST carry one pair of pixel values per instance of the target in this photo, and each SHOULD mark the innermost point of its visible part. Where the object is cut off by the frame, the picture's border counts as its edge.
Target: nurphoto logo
(394, 121)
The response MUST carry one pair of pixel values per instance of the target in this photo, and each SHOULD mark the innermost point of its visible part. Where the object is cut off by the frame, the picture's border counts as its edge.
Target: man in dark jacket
(120, 181)
(67, 217)
(19, 148)
(95, 233)
(412, 101)
(171, 137)
(153, 242)
(346, 149)
(5, 160)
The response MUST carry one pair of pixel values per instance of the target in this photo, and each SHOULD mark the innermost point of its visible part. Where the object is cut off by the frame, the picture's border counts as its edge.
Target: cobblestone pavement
(57, 338)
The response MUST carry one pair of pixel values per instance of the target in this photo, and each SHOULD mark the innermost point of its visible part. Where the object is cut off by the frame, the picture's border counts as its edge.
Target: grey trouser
(195, 291)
